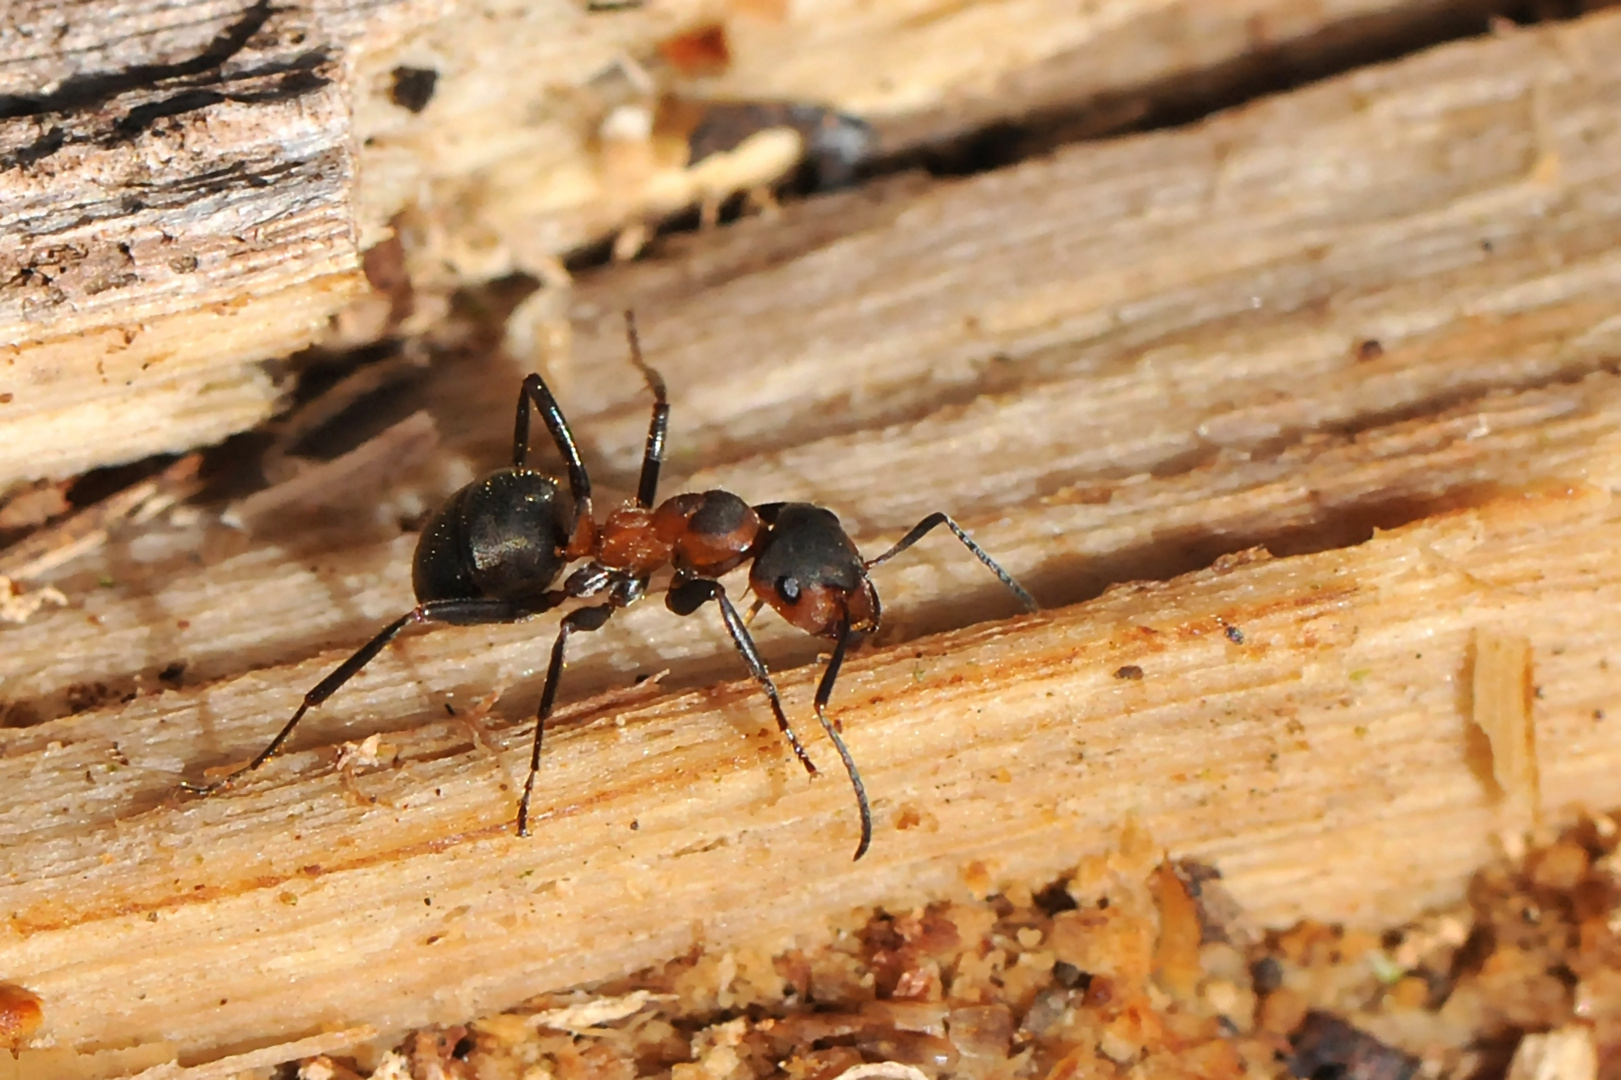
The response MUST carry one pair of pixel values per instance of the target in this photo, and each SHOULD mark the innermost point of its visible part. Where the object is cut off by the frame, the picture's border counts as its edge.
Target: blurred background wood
(192, 189)
(1351, 307)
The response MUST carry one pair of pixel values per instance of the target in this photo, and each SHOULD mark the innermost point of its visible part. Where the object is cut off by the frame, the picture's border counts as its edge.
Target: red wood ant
(495, 549)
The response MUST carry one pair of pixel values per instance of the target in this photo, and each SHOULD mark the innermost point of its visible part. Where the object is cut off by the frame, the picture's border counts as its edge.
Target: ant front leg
(939, 518)
(688, 596)
(457, 612)
(824, 691)
(586, 618)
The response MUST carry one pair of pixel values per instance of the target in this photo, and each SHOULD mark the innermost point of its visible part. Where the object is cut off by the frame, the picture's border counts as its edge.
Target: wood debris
(1502, 709)
(21, 1013)
(1565, 1054)
(33, 505)
(311, 488)
(594, 1013)
(980, 989)
(83, 532)
(18, 605)
(1325, 1045)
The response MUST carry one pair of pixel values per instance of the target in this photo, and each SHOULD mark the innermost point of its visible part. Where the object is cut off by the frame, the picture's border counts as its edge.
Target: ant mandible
(495, 549)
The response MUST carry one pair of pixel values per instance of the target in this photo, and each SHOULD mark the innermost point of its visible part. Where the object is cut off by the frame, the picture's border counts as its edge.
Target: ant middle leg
(940, 518)
(653, 455)
(457, 612)
(686, 597)
(586, 618)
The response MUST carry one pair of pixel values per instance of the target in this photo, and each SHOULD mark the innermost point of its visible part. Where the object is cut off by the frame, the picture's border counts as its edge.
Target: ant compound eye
(788, 589)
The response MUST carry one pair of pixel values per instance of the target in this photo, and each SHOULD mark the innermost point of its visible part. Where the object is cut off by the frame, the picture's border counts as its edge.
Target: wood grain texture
(177, 184)
(1300, 723)
(1148, 417)
(189, 188)
(1407, 236)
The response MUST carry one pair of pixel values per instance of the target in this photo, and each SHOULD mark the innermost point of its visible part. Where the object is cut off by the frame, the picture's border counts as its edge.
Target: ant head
(810, 572)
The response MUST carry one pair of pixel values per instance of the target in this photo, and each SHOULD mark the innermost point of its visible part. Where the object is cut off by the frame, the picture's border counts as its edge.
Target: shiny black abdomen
(499, 538)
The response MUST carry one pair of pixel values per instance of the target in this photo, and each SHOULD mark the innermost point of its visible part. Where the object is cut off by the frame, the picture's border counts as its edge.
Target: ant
(494, 550)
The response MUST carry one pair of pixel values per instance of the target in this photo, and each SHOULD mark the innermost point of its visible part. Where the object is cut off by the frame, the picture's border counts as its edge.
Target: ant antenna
(941, 518)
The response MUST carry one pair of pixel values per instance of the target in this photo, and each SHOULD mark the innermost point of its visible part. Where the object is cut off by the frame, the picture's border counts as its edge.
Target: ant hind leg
(535, 390)
(459, 612)
(586, 618)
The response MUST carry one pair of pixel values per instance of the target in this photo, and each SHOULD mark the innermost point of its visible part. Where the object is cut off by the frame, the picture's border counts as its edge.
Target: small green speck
(1361, 673)
(105, 582)
(1385, 969)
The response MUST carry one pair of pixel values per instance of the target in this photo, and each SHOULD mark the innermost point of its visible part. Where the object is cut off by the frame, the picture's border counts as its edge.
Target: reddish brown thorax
(720, 532)
(585, 536)
(630, 541)
(702, 534)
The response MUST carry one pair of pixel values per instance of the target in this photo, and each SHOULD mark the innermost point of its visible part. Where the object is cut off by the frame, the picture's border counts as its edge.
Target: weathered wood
(1405, 237)
(177, 199)
(1148, 419)
(1298, 722)
(187, 190)
(1135, 364)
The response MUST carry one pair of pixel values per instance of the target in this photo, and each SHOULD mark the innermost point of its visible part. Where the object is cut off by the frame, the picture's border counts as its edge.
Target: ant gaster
(494, 551)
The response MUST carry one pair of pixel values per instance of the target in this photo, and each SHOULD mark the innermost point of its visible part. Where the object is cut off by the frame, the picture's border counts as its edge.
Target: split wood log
(1426, 340)
(1302, 723)
(187, 190)
(1119, 358)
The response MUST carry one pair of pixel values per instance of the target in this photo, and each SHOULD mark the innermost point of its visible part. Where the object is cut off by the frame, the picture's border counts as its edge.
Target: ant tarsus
(495, 550)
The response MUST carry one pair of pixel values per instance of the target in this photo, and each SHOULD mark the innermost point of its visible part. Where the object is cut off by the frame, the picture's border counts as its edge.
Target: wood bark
(1382, 303)
(188, 191)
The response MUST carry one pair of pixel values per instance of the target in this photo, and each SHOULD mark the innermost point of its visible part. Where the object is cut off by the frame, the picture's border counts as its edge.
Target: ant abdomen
(502, 537)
